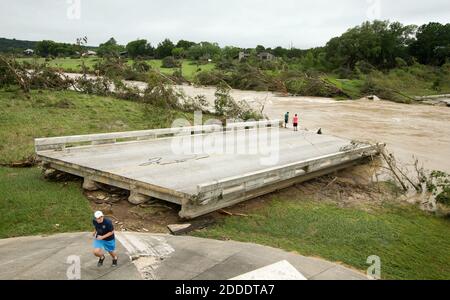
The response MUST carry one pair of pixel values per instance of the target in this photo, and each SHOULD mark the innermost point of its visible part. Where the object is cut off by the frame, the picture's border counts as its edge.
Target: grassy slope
(73, 65)
(48, 114)
(416, 80)
(410, 243)
(30, 205)
(350, 86)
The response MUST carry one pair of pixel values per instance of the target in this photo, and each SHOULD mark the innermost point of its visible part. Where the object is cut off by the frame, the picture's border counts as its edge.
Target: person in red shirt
(296, 122)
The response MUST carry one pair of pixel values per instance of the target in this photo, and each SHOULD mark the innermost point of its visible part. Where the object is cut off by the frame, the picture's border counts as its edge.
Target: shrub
(115, 67)
(364, 67)
(170, 62)
(141, 66)
(438, 183)
(214, 77)
(197, 103)
(226, 106)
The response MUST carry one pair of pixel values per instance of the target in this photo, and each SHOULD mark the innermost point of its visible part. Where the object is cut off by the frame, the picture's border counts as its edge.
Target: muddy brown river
(409, 131)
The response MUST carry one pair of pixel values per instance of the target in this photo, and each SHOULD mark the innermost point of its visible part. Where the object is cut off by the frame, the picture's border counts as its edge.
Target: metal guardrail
(247, 182)
(60, 143)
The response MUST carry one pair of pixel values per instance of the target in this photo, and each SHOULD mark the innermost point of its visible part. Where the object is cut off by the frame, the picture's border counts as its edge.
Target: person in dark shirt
(104, 239)
(286, 119)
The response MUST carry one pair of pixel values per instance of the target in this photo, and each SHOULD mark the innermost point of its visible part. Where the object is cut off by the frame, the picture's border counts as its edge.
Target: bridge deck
(202, 180)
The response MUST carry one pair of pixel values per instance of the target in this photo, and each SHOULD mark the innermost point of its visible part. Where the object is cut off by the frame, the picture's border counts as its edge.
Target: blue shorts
(108, 246)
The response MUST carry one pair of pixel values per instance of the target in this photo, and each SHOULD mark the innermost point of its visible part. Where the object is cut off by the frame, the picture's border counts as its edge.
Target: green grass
(410, 243)
(66, 64)
(74, 65)
(352, 87)
(49, 113)
(30, 205)
(189, 68)
(418, 80)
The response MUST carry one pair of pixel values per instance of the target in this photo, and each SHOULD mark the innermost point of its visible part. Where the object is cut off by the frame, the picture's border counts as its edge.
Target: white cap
(98, 214)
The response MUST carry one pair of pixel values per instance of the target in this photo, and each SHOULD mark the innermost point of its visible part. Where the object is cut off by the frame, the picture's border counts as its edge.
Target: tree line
(377, 45)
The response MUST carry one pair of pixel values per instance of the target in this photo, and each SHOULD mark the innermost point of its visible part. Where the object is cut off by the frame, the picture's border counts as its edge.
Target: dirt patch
(152, 216)
(356, 187)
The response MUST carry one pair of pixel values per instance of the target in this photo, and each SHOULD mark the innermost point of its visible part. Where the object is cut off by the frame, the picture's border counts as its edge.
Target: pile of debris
(438, 100)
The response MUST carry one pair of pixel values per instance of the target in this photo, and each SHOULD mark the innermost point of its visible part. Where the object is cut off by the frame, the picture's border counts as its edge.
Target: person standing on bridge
(104, 239)
(295, 121)
(286, 119)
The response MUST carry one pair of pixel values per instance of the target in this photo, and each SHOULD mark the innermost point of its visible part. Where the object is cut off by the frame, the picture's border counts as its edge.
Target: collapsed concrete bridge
(164, 164)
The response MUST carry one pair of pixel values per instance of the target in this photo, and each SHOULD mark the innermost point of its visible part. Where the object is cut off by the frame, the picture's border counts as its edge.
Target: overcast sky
(244, 23)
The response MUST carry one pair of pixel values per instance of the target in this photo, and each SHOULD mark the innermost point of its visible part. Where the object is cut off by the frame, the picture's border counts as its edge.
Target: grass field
(30, 205)
(74, 65)
(410, 243)
(47, 113)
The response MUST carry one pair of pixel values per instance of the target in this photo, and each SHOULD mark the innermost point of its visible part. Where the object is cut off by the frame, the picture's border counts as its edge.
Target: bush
(115, 67)
(7, 76)
(197, 103)
(225, 64)
(170, 62)
(444, 197)
(214, 77)
(310, 85)
(364, 67)
(141, 66)
(400, 62)
(226, 106)
(438, 183)
(247, 77)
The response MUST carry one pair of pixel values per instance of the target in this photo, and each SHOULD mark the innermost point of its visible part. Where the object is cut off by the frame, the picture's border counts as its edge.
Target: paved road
(155, 256)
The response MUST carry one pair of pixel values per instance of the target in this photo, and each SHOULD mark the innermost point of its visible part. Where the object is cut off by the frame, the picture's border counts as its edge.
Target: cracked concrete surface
(153, 256)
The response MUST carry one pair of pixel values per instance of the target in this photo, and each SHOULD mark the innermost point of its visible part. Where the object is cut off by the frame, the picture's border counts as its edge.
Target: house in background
(28, 52)
(266, 56)
(243, 55)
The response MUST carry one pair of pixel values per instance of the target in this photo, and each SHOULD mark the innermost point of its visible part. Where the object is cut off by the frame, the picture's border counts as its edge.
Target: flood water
(409, 131)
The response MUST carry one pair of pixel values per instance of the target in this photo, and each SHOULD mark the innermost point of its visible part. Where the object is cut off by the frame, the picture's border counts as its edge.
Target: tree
(432, 44)
(178, 52)
(204, 50)
(139, 48)
(185, 44)
(378, 43)
(164, 49)
(260, 49)
(229, 52)
(280, 51)
(50, 48)
(110, 48)
(45, 48)
(170, 62)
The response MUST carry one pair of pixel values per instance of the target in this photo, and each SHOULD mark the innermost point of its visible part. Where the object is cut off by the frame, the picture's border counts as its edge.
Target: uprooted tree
(435, 185)
(111, 73)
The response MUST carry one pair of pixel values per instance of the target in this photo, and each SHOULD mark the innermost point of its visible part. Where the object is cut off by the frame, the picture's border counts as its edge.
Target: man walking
(104, 239)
